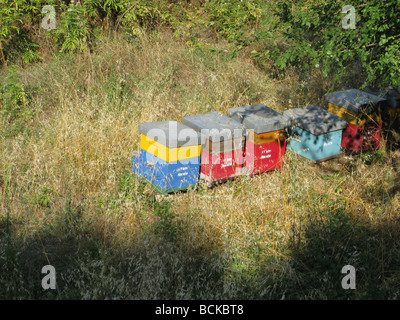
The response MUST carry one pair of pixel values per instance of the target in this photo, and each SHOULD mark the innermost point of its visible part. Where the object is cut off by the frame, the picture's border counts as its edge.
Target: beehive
(169, 155)
(222, 156)
(265, 137)
(315, 133)
(390, 108)
(361, 111)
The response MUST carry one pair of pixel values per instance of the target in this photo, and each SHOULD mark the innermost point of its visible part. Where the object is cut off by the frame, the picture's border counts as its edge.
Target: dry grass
(68, 196)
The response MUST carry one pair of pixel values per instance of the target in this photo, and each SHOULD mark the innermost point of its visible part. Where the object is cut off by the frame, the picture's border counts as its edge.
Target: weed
(72, 32)
(372, 157)
(165, 223)
(14, 99)
(43, 197)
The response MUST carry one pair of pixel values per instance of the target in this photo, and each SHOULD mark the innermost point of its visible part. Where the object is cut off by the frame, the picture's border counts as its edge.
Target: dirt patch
(333, 165)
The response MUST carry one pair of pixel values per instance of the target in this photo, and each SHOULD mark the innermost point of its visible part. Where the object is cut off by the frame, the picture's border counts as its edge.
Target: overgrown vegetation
(71, 100)
(311, 35)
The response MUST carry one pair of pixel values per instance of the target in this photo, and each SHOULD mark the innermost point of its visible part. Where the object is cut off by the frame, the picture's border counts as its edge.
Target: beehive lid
(391, 95)
(352, 99)
(172, 134)
(259, 118)
(315, 120)
(215, 126)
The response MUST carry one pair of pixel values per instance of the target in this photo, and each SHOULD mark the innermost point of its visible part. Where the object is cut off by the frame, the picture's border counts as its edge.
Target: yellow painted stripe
(351, 116)
(266, 137)
(393, 112)
(168, 154)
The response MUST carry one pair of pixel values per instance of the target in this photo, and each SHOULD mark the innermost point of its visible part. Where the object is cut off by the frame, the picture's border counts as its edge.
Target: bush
(309, 35)
(14, 99)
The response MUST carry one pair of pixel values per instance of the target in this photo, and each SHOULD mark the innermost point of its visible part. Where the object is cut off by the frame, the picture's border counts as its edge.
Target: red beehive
(266, 137)
(261, 157)
(221, 166)
(361, 111)
(362, 137)
(222, 156)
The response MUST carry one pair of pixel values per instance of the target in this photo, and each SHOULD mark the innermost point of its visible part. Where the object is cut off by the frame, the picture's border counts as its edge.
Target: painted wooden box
(363, 137)
(169, 156)
(166, 177)
(315, 133)
(222, 156)
(390, 108)
(361, 111)
(265, 137)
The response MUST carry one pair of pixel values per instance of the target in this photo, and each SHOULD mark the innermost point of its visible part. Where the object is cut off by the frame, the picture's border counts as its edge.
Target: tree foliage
(72, 32)
(306, 34)
(310, 34)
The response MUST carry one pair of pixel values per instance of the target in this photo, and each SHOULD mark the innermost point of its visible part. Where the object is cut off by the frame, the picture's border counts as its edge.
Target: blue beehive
(316, 133)
(166, 176)
(169, 156)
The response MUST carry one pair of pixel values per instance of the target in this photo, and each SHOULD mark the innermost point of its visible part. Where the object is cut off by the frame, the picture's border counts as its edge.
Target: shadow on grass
(166, 261)
(160, 264)
(337, 240)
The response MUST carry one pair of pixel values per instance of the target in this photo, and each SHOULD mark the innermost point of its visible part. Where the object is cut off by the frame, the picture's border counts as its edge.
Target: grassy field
(69, 199)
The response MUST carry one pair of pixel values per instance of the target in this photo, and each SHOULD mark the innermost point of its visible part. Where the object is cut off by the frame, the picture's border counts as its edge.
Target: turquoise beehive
(315, 133)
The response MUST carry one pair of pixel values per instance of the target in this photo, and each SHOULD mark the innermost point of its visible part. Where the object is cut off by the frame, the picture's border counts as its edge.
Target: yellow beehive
(353, 117)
